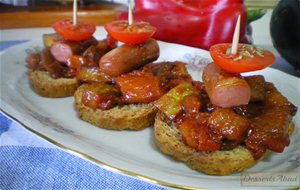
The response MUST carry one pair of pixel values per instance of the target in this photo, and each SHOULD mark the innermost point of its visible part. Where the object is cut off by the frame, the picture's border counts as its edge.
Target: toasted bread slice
(169, 141)
(44, 85)
(130, 117)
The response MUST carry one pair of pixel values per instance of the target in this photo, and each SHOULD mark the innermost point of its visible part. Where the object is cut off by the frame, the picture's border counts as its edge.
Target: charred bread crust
(126, 117)
(42, 83)
(169, 141)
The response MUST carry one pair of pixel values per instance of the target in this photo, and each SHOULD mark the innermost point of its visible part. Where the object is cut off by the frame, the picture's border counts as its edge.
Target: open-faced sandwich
(229, 122)
(52, 70)
(120, 91)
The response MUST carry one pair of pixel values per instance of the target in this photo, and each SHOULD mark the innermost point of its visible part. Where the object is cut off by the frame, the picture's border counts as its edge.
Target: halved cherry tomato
(136, 33)
(82, 31)
(248, 58)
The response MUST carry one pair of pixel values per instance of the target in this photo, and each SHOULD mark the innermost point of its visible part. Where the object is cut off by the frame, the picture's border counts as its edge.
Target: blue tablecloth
(30, 162)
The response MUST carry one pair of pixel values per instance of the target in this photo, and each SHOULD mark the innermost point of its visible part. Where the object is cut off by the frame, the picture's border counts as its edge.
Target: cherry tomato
(82, 31)
(130, 34)
(248, 58)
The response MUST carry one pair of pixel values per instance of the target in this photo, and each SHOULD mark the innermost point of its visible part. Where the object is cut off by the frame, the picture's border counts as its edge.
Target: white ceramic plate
(130, 152)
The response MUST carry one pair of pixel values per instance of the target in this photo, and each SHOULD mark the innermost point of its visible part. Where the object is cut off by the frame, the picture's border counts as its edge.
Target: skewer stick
(75, 12)
(130, 15)
(236, 35)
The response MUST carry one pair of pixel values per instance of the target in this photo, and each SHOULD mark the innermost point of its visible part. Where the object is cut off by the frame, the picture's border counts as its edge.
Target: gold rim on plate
(105, 165)
(102, 164)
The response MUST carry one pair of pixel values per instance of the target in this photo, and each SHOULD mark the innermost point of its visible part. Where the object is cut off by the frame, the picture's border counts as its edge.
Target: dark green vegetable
(255, 14)
(285, 30)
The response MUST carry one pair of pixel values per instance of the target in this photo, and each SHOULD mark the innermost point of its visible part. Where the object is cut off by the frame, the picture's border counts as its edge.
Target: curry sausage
(128, 57)
(225, 89)
(62, 50)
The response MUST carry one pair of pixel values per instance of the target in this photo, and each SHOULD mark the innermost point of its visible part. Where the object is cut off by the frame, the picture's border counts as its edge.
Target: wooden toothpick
(75, 12)
(236, 36)
(130, 15)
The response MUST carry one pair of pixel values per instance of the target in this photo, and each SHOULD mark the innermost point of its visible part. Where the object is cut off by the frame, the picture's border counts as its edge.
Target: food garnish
(240, 58)
(81, 31)
(128, 31)
(135, 33)
(73, 29)
(248, 58)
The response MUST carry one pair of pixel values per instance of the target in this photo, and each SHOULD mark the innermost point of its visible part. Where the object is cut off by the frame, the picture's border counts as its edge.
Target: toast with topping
(127, 104)
(129, 117)
(169, 140)
(223, 139)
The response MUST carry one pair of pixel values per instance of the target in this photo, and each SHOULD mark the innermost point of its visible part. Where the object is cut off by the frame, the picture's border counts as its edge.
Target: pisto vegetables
(174, 98)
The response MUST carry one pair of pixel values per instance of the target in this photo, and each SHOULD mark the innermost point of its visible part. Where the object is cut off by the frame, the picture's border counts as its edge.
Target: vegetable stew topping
(260, 125)
(144, 85)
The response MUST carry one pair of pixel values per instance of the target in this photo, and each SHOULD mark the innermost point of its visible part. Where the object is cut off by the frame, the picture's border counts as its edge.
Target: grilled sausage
(225, 89)
(54, 68)
(63, 49)
(128, 57)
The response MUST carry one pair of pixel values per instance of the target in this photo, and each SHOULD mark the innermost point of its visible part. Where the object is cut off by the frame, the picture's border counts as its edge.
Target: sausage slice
(128, 57)
(225, 89)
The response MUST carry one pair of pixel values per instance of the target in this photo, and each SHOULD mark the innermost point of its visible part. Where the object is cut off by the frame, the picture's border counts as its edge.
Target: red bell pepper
(198, 23)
